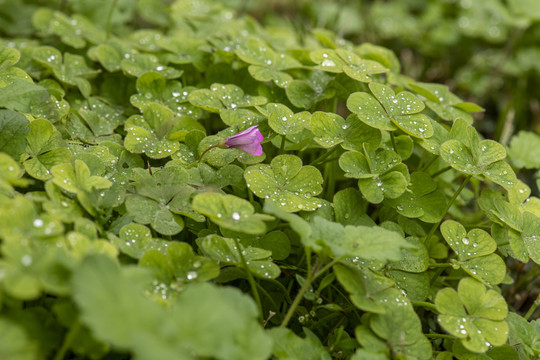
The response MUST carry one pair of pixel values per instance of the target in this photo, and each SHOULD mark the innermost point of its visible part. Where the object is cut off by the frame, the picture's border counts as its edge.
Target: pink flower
(248, 140)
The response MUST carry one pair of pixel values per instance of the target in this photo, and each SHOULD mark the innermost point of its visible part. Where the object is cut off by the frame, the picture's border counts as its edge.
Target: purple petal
(253, 148)
(248, 140)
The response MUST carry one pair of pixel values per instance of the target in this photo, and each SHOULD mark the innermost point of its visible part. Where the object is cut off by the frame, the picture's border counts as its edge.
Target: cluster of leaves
(353, 236)
(488, 48)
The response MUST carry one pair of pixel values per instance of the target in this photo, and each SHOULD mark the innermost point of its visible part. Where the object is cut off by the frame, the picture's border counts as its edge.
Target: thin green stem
(429, 163)
(109, 18)
(431, 307)
(442, 171)
(268, 296)
(308, 260)
(334, 104)
(435, 276)
(331, 183)
(296, 302)
(282, 146)
(205, 151)
(533, 307)
(282, 288)
(456, 194)
(328, 266)
(70, 336)
(328, 160)
(324, 156)
(311, 276)
(251, 279)
(393, 139)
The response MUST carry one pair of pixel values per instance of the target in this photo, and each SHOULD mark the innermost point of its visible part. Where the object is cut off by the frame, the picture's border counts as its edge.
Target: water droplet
(465, 240)
(38, 223)
(236, 216)
(328, 62)
(26, 260)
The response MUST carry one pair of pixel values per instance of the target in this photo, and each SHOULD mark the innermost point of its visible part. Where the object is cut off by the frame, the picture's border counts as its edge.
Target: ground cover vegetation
(198, 179)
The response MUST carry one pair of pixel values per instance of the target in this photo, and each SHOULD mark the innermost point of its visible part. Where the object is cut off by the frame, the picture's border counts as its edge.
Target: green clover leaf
(340, 60)
(400, 327)
(111, 53)
(286, 183)
(153, 87)
(225, 251)
(185, 49)
(523, 335)
(350, 208)
(465, 153)
(433, 143)
(366, 288)
(138, 64)
(95, 121)
(444, 103)
(475, 250)
(330, 238)
(231, 212)
(288, 345)
(19, 93)
(73, 31)
(76, 179)
(531, 235)
(283, 121)
(473, 315)
(524, 150)
(152, 133)
(403, 109)
(176, 264)
(307, 92)
(415, 259)
(517, 220)
(331, 129)
(135, 240)
(45, 149)
(266, 64)
(10, 175)
(422, 200)
(380, 173)
(13, 132)
(71, 71)
(220, 97)
(8, 57)
(160, 198)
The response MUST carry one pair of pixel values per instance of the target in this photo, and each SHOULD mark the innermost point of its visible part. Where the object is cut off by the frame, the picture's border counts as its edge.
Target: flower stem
(251, 280)
(205, 151)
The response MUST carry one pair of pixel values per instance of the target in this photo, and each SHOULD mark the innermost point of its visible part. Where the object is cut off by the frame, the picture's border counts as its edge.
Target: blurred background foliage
(486, 51)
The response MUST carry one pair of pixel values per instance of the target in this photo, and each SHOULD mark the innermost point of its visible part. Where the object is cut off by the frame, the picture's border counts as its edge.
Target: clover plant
(181, 181)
